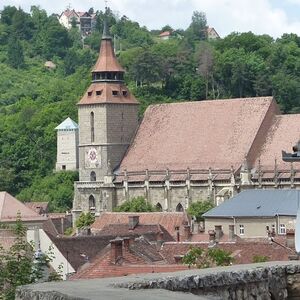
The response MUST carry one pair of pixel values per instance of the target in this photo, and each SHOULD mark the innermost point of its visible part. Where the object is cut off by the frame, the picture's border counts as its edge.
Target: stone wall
(265, 281)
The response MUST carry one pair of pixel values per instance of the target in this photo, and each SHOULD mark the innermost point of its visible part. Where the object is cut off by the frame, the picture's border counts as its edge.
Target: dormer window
(125, 93)
(90, 94)
(115, 93)
(98, 93)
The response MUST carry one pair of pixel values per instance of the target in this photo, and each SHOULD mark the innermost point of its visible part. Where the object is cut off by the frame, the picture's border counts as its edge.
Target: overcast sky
(273, 17)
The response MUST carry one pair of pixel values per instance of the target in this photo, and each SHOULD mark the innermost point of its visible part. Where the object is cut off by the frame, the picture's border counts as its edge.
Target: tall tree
(15, 56)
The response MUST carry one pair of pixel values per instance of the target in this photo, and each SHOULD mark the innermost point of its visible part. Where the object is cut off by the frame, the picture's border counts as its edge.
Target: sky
(273, 17)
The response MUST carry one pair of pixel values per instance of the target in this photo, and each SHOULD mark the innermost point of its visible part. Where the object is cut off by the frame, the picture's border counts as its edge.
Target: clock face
(92, 155)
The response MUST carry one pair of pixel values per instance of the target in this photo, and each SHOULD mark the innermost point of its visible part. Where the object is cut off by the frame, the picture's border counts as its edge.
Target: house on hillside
(255, 214)
(212, 33)
(84, 21)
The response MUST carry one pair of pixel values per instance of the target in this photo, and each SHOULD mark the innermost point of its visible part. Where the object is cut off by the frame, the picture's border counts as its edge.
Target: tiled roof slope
(216, 133)
(168, 220)
(92, 96)
(123, 230)
(140, 257)
(10, 207)
(107, 60)
(283, 134)
(242, 252)
(38, 207)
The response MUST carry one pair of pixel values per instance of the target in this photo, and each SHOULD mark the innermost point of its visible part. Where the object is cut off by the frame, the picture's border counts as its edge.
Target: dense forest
(35, 99)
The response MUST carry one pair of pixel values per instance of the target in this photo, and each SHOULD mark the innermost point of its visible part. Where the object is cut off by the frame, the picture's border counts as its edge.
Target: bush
(85, 220)
(138, 204)
(198, 208)
(259, 258)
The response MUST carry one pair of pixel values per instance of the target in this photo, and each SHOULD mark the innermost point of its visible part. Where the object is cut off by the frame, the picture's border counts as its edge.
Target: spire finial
(105, 34)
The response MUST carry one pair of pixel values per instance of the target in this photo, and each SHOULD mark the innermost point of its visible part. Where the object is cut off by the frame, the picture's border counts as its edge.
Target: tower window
(90, 94)
(98, 93)
(92, 203)
(92, 121)
(115, 93)
(125, 93)
(93, 176)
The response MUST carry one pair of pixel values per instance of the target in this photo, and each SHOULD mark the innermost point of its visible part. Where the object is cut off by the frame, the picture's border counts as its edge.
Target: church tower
(108, 119)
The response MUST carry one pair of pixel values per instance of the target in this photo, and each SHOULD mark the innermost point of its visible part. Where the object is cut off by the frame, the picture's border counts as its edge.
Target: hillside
(34, 99)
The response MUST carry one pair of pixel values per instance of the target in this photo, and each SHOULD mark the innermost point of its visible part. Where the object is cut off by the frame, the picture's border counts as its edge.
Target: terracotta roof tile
(38, 207)
(283, 134)
(107, 60)
(168, 220)
(103, 93)
(217, 134)
(10, 207)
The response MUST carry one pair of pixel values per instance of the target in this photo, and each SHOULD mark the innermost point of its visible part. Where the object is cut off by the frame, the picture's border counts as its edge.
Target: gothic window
(93, 176)
(158, 207)
(92, 121)
(92, 202)
(179, 207)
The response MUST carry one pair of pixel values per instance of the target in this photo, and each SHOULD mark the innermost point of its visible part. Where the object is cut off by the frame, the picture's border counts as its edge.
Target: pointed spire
(105, 34)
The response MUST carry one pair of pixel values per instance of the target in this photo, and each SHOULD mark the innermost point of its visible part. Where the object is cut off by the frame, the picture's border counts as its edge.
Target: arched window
(179, 207)
(92, 202)
(92, 121)
(93, 176)
(158, 207)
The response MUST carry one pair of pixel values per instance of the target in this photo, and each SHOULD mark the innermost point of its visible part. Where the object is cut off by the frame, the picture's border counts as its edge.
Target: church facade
(178, 153)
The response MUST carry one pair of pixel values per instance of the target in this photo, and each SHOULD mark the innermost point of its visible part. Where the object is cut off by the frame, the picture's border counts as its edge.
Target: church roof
(10, 207)
(67, 124)
(215, 133)
(283, 134)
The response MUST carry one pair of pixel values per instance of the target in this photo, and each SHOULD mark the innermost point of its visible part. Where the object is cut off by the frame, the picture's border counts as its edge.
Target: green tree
(85, 220)
(198, 208)
(207, 258)
(15, 56)
(138, 204)
(198, 28)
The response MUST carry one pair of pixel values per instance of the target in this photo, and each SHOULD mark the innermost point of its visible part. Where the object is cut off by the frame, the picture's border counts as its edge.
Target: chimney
(231, 235)
(219, 232)
(133, 221)
(186, 232)
(290, 238)
(127, 241)
(116, 251)
(212, 237)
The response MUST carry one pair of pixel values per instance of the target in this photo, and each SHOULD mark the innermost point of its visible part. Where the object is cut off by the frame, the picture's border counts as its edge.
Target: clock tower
(108, 119)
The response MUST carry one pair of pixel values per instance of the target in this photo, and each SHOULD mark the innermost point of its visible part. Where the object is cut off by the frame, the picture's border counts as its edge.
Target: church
(179, 152)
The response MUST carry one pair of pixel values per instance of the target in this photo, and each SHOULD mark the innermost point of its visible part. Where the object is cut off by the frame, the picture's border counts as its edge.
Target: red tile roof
(107, 60)
(136, 259)
(10, 207)
(168, 220)
(243, 251)
(217, 134)
(103, 93)
(165, 33)
(123, 230)
(282, 135)
(38, 207)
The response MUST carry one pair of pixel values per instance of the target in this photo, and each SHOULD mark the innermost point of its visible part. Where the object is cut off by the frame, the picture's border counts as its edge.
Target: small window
(282, 229)
(93, 176)
(242, 230)
(115, 93)
(90, 94)
(98, 93)
(63, 167)
(125, 93)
